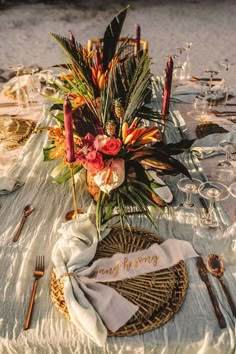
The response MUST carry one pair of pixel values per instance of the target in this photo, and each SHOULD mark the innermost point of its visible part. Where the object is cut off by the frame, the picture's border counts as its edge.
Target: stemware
(186, 212)
(212, 74)
(178, 72)
(187, 66)
(214, 192)
(232, 189)
(21, 93)
(48, 89)
(33, 84)
(225, 170)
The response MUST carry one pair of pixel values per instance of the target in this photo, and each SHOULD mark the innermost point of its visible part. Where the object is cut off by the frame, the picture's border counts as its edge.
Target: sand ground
(209, 24)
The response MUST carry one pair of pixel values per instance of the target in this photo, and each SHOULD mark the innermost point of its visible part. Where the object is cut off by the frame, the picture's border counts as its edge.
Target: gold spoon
(215, 266)
(28, 209)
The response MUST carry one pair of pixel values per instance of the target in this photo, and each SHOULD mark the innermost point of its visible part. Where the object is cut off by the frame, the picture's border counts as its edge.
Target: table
(193, 329)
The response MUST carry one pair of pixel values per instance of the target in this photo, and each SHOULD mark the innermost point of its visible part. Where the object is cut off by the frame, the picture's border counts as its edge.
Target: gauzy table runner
(194, 329)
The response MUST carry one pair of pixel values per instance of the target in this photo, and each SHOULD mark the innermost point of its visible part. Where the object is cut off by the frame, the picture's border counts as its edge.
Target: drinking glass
(187, 67)
(34, 84)
(214, 192)
(224, 171)
(48, 89)
(212, 74)
(21, 93)
(232, 189)
(186, 212)
(178, 72)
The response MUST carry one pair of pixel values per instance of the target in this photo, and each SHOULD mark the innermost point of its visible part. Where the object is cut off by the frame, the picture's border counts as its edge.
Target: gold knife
(204, 277)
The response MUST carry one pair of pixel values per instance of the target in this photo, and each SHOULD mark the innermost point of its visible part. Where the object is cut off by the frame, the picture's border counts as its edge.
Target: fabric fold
(93, 306)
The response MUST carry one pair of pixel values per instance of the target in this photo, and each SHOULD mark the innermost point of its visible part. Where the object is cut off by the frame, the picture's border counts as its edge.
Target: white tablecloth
(194, 329)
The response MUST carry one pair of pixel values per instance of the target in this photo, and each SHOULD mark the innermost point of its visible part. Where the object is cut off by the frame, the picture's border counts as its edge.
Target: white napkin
(8, 185)
(90, 303)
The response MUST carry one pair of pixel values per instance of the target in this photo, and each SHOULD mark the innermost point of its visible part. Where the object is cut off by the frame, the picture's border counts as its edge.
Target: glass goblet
(232, 189)
(214, 192)
(212, 74)
(186, 212)
(21, 92)
(48, 89)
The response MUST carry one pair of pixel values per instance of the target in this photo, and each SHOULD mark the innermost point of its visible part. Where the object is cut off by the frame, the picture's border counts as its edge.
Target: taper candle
(72, 40)
(167, 87)
(138, 37)
(70, 155)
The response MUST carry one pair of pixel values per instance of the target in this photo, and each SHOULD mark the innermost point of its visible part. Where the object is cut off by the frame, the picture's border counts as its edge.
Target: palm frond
(111, 37)
(79, 62)
(138, 88)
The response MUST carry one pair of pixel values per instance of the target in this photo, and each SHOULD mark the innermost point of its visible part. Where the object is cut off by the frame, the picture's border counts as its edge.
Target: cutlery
(194, 78)
(28, 209)
(204, 277)
(38, 273)
(8, 104)
(13, 104)
(215, 266)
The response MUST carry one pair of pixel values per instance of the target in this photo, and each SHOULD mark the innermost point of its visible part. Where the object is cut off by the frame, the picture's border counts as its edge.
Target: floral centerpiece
(116, 135)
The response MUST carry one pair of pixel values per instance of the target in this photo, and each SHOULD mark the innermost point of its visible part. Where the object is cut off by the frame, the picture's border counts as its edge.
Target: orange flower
(139, 136)
(67, 77)
(79, 101)
(59, 140)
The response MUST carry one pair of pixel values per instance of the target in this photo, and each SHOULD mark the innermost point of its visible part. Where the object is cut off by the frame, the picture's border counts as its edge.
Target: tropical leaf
(138, 88)
(111, 37)
(61, 173)
(149, 115)
(47, 151)
(56, 106)
(79, 63)
(178, 148)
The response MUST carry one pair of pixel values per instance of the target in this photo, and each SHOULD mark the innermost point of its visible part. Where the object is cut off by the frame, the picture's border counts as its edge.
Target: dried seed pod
(119, 110)
(111, 128)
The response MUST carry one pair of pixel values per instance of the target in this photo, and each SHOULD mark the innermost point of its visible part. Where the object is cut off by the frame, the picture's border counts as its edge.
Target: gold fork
(38, 273)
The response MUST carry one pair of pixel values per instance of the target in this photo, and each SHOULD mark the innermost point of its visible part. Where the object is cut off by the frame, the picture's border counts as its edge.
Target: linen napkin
(187, 93)
(209, 146)
(8, 185)
(90, 303)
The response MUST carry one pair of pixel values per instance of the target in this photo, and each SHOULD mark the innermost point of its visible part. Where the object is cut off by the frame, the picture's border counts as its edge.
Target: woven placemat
(207, 128)
(159, 295)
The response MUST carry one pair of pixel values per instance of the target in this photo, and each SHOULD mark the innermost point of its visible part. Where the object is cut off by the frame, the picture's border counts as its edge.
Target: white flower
(111, 176)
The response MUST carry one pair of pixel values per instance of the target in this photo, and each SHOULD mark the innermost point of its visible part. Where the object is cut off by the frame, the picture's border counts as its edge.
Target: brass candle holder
(73, 214)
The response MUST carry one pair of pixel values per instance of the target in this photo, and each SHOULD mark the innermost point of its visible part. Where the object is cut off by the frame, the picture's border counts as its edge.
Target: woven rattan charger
(159, 295)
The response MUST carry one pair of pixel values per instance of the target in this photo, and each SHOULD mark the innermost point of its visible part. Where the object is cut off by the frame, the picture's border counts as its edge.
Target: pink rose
(100, 141)
(107, 145)
(94, 162)
(111, 176)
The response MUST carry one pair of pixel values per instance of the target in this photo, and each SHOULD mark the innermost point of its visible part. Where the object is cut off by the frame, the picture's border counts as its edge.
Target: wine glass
(187, 67)
(21, 93)
(34, 84)
(178, 72)
(212, 74)
(232, 189)
(224, 170)
(186, 212)
(48, 89)
(214, 192)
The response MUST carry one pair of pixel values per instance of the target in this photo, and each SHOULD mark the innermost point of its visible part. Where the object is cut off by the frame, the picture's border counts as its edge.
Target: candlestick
(167, 87)
(73, 214)
(166, 93)
(138, 37)
(70, 155)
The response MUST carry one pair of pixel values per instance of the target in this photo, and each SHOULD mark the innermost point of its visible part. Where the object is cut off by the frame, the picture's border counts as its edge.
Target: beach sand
(209, 24)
